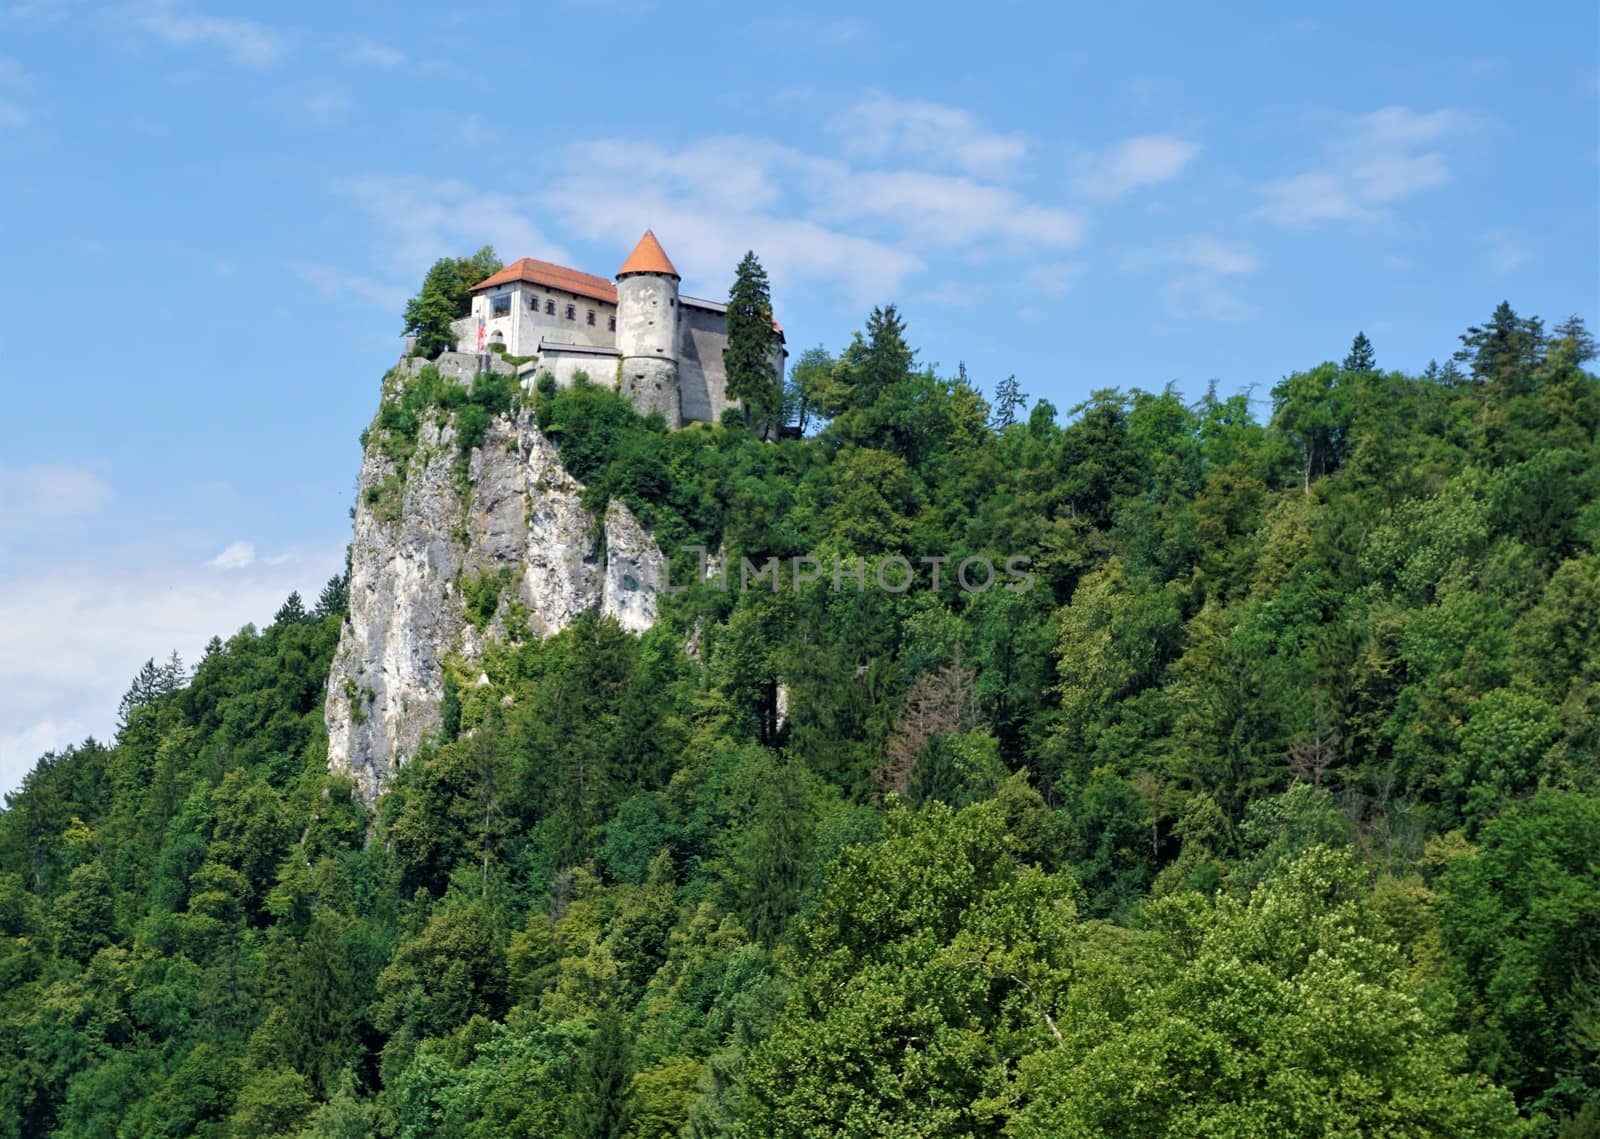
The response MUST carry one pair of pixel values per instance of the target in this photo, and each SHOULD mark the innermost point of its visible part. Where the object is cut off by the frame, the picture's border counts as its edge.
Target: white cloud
(424, 219)
(816, 31)
(1506, 250)
(22, 747)
(940, 210)
(70, 641)
(12, 114)
(1134, 164)
(1053, 280)
(880, 126)
(247, 42)
(1306, 199)
(1212, 255)
(372, 54)
(1373, 160)
(48, 492)
(1199, 294)
(334, 282)
(815, 220)
(325, 103)
(236, 556)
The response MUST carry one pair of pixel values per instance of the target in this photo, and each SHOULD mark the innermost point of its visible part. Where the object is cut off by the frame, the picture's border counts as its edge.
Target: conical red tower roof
(648, 257)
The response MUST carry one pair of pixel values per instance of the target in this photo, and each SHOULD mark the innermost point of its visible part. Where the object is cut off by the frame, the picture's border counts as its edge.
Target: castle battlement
(662, 349)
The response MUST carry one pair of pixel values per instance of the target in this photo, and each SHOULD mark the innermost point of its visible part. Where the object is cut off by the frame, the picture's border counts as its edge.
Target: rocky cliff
(449, 548)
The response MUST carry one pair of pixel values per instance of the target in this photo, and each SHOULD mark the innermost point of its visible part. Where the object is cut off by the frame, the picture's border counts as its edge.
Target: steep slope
(454, 546)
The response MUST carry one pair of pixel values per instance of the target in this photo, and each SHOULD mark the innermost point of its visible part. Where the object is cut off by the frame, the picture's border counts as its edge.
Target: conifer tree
(601, 1106)
(1575, 333)
(1507, 347)
(1361, 358)
(752, 346)
(292, 610)
(1009, 398)
(335, 597)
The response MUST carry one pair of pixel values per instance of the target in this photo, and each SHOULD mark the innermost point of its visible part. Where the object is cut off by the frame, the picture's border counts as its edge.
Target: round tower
(647, 330)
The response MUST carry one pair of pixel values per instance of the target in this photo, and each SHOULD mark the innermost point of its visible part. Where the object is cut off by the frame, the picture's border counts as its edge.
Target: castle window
(549, 308)
(572, 312)
(591, 316)
(611, 322)
(501, 304)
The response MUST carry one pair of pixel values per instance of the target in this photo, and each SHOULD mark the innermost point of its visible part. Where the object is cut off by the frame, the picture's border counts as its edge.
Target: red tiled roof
(536, 272)
(648, 257)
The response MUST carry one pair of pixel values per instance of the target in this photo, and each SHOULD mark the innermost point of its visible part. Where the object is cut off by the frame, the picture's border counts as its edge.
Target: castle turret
(647, 330)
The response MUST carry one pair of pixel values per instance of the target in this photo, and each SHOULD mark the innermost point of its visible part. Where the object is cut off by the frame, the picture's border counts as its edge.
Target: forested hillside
(1271, 809)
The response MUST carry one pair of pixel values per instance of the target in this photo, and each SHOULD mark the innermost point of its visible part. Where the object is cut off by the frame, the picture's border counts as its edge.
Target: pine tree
(1504, 350)
(601, 1106)
(1361, 358)
(293, 610)
(335, 597)
(152, 684)
(750, 357)
(1009, 399)
(1575, 336)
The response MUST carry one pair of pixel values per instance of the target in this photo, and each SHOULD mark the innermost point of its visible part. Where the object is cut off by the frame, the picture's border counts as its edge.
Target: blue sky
(218, 211)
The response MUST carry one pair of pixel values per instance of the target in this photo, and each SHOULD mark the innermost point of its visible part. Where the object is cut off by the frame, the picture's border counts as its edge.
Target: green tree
(933, 958)
(1505, 350)
(1308, 410)
(1520, 922)
(751, 357)
(601, 1104)
(1287, 1015)
(1361, 358)
(1009, 399)
(445, 297)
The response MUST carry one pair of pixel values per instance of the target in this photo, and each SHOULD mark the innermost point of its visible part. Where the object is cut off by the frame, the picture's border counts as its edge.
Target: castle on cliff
(664, 349)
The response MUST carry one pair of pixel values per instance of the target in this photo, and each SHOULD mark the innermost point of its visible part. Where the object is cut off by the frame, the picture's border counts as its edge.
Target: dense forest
(1271, 809)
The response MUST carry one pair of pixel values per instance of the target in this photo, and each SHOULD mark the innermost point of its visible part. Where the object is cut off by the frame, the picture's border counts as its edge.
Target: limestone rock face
(428, 543)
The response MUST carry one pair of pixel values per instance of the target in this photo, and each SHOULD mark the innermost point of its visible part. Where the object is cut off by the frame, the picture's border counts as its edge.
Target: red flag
(480, 334)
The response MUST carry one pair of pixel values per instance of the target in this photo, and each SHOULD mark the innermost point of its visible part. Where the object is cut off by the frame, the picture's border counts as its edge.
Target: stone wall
(702, 378)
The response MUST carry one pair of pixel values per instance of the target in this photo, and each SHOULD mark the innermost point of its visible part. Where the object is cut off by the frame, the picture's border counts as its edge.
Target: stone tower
(647, 330)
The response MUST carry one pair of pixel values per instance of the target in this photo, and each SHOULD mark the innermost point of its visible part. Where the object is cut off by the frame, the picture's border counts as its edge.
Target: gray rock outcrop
(437, 560)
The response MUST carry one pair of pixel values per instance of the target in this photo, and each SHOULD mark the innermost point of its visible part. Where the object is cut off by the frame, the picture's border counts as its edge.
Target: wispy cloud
(1053, 280)
(1200, 294)
(1133, 164)
(835, 33)
(880, 126)
(71, 639)
(246, 42)
(863, 223)
(1373, 160)
(1202, 271)
(422, 219)
(15, 79)
(369, 53)
(1200, 251)
(13, 75)
(1506, 249)
(235, 556)
(48, 492)
(334, 282)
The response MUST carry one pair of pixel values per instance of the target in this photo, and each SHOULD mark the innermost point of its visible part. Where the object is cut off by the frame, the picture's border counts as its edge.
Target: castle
(664, 349)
